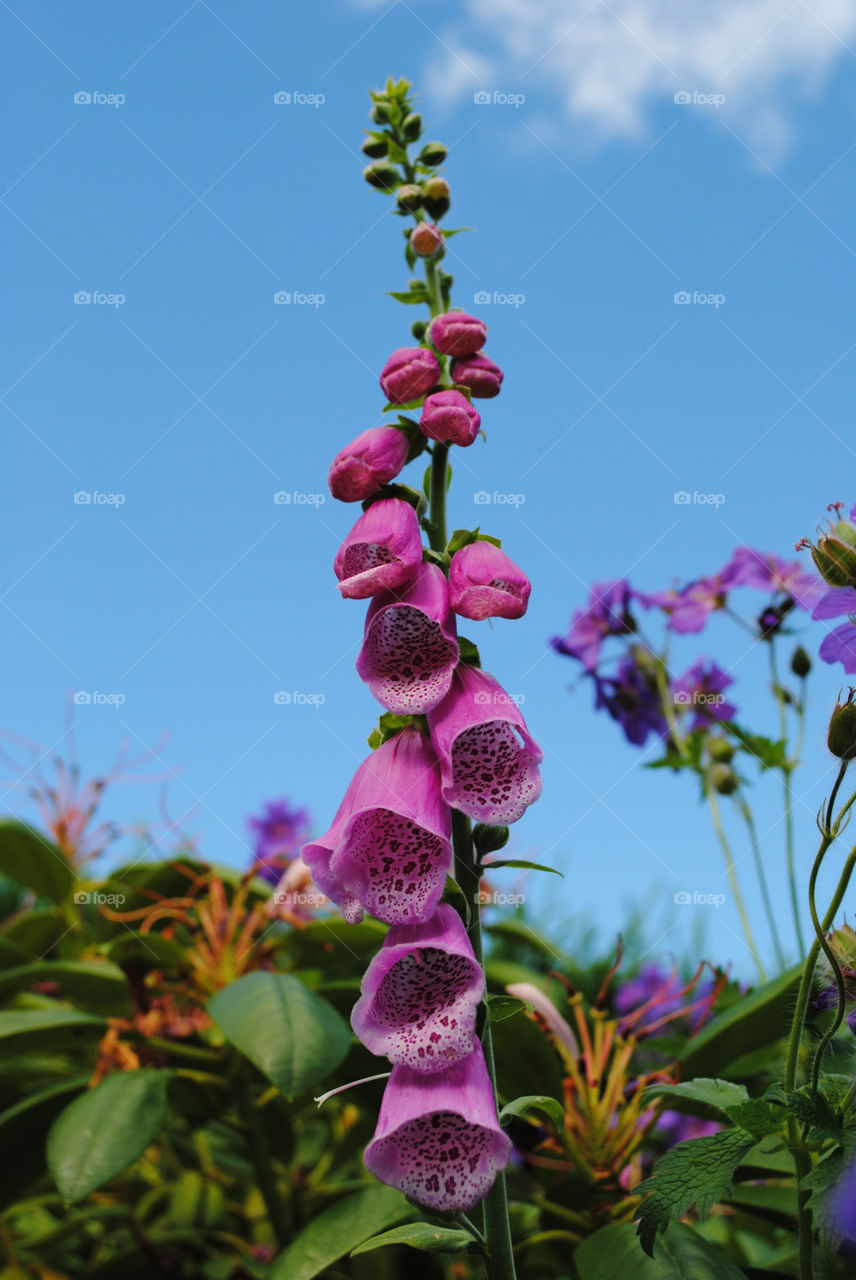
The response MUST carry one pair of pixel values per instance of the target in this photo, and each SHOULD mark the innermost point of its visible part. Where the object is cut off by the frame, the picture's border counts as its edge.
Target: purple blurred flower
(606, 614)
(674, 1127)
(689, 609)
(701, 688)
(844, 1205)
(840, 643)
(277, 836)
(651, 984)
(632, 699)
(770, 572)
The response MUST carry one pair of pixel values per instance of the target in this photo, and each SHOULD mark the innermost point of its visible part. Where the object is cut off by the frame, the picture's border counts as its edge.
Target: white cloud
(609, 61)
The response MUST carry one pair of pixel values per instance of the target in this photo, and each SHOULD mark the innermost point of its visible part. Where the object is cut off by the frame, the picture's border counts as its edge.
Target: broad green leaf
(520, 862)
(534, 1102)
(771, 1203)
(502, 1007)
(698, 1172)
(422, 1236)
(338, 1229)
(33, 861)
(719, 1094)
(681, 1254)
(526, 1061)
(23, 1129)
(21, 1029)
(293, 1036)
(760, 1117)
(96, 985)
(760, 1018)
(37, 932)
(146, 950)
(105, 1130)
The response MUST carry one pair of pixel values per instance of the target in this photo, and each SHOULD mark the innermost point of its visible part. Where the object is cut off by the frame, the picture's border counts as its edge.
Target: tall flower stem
(731, 869)
(787, 770)
(746, 812)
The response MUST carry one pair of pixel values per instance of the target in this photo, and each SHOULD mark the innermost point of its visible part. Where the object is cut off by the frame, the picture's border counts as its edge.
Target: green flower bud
(489, 839)
(432, 154)
(721, 749)
(437, 200)
(380, 113)
(418, 329)
(374, 147)
(800, 662)
(841, 738)
(412, 126)
(835, 556)
(409, 197)
(383, 176)
(723, 779)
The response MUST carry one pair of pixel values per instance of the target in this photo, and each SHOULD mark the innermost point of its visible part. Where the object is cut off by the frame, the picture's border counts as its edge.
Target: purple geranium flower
(844, 1205)
(277, 836)
(606, 614)
(701, 688)
(840, 643)
(650, 985)
(675, 1127)
(632, 698)
(689, 609)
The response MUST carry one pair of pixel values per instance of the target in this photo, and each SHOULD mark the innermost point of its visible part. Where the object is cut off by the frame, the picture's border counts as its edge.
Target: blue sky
(184, 197)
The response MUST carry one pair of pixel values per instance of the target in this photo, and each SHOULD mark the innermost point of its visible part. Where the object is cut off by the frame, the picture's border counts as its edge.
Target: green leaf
(698, 1172)
(422, 1236)
(519, 862)
(758, 1116)
(100, 986)
(293, 1036)
(409, 404)
(682, 1254)
(455, 231)
(469, 652)
(769, 752)
(520, 931)
(412, 296)
(23, 1130)
(462, 538)
(719, 1094)
(31, 860)
(338, 1229)
(105, 1130)
(389, 724)
(21, 1029)
(534, 1102)
(502, 1007)
(760, 1018)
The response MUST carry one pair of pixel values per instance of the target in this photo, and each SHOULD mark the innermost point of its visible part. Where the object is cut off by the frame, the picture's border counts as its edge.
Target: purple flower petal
(840, 646)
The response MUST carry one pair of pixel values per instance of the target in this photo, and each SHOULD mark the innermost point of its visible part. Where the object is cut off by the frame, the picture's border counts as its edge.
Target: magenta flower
(701, 688)
(278, 835)
(388, 849)
(420, 994)
(410, 372)
(410, 648)
(606, 614)
(438, 1138)
(426, 240)
(481, 375)
(382, 551)
(486, 583)
(488, 758)
(840, 643)
(449, 417)
(373, 458)
(457, 334)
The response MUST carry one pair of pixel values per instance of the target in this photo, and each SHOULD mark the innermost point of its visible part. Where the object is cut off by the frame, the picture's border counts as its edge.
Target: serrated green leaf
(338, 1229)
(759, 1117)
(698, 1172)
(771, 753)
(534, 1102)
(422, 1236)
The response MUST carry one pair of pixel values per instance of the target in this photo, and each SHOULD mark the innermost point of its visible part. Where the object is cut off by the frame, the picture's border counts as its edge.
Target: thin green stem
(716, 818)
(743, 806)
(787, 770)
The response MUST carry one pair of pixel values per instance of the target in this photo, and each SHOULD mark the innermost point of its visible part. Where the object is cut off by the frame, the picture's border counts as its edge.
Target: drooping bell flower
(372, 459)
(457, 334)
(382, 551)
(480, 374)
(410, 372)
(388, 850)
(488, 758)
(449, 417)
(420, 994)
(410, 649)
(438, 1138)
(486, 583)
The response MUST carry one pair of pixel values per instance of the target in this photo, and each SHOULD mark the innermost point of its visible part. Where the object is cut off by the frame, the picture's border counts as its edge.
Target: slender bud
(409, 197)
(374, 148)
(383, 176)
(841, 739)
(723, 779)
(412, 126)
(432, 154)
(800, 662)
(835, 557)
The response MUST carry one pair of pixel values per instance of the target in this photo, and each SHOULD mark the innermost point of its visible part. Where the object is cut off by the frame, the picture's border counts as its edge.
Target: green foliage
(682, 1254)
(424, 1237)
(338, 1229)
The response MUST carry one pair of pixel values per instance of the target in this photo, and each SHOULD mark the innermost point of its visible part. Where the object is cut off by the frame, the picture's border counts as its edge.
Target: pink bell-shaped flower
(420, 994)
(388, 850)
(372, 459)
(480, 374)
(438, 1138)
(456, 334)
(409, 373)
(449, 417)
(410, 649)
(382, 551)
(488, 758)
(486, 583)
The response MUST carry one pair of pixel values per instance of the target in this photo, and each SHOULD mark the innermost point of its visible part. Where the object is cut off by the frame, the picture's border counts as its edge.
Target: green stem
(787, 770)
(261, 1158)
(732, 878)
(746, 811)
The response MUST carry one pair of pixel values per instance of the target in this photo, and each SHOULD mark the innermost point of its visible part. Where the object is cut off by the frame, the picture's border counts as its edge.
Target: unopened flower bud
(410, 372)
(382, 175)
(426, 240)
(489, 839)
(412, 126)
(418, 329)
(841, 739)
(380, 113)
(372, 459)
(456, 334)
(479, 374)
(409, 197)
(437, 197)
(723, 779)
(835, 556)
(721, 749)
(449, 417)
(800, 662)
(432, 154)
(374, 147)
